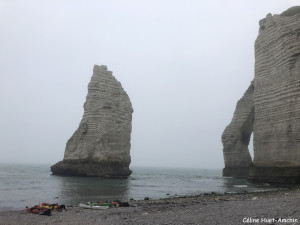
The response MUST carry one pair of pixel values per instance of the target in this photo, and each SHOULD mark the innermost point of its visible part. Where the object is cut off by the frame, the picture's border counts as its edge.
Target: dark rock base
(91, 169)
(275, 174)
(236, 171)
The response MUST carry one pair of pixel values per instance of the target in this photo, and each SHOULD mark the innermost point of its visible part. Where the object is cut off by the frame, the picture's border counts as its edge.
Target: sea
(29, 185)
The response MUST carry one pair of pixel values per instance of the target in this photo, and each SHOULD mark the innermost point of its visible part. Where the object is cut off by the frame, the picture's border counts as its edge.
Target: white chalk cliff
(276, 104)
(101, 144)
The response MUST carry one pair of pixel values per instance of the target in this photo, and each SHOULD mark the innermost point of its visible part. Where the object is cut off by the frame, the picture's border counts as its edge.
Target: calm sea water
(28, 185)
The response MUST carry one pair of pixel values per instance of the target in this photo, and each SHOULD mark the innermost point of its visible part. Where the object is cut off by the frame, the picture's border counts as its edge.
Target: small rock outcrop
(101, 144)
(276, 99)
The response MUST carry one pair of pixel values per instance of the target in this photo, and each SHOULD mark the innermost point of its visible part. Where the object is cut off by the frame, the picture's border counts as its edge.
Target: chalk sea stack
(101, 144)
(270, 108)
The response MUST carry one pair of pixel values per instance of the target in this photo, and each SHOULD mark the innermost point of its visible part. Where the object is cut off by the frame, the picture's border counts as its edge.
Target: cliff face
(276, 98)
(101, 144)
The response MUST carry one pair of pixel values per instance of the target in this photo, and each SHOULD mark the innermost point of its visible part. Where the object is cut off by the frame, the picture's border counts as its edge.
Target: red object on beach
(39, 210)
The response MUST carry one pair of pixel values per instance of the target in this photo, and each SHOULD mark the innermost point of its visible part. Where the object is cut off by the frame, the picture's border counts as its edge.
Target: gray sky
(184, 65)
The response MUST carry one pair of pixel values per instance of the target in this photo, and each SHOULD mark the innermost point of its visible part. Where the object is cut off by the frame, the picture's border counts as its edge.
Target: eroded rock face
(236, 137)
(277, 98)
(276, 104)
(101, 144)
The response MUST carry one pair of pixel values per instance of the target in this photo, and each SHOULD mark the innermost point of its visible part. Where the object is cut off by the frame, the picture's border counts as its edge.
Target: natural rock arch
(236, 137)
(270, 107)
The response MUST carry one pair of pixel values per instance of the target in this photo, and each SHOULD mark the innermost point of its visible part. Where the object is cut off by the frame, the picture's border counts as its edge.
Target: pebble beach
(273, 207)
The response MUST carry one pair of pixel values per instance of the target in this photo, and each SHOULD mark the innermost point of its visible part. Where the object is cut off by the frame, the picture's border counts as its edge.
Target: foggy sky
(184, 65)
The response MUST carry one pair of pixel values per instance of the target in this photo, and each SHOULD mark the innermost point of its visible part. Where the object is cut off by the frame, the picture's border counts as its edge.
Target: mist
(184, 65)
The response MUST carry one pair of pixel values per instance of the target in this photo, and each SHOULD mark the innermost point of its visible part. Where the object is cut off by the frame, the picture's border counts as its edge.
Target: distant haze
(184, 65)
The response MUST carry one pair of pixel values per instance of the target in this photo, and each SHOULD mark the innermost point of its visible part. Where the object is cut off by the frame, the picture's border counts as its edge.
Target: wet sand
(231, 209)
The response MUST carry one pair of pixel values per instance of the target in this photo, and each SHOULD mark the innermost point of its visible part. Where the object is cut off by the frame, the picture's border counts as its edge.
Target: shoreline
(213, 208)
(276, 187)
